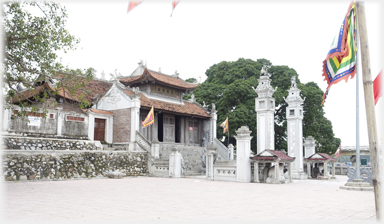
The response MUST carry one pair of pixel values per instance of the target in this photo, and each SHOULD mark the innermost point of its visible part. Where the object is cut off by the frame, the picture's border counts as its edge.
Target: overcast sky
(203, 33)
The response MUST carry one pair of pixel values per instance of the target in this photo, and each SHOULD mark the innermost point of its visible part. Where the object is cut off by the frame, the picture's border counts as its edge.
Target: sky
(203, 33)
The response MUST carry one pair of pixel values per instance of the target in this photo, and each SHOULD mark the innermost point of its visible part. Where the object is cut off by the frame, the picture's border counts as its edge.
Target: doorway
(99, 133)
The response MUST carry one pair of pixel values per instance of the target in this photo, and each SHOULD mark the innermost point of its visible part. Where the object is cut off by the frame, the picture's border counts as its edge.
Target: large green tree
(229, 86)
(34, 33)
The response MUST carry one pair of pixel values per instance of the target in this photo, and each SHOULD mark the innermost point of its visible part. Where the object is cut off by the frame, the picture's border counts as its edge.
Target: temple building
(117, 110)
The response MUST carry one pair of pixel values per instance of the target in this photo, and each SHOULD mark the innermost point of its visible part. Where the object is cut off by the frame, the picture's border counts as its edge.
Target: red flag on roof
(174, 3)
(377, 91)
(133, 4)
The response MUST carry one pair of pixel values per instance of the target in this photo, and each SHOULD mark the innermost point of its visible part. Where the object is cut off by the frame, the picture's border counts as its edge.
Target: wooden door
(99, 129)
(169, 128)
(193, 136)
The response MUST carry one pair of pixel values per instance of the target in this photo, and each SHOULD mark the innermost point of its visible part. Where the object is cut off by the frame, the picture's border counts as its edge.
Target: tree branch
(10, 38)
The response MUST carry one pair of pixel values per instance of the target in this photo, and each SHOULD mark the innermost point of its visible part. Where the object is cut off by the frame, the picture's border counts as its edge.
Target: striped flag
(149, 119)
(224, 125)
(174, 3)
(133, 4)
(377, 90)
(338, 152)
(340, 63)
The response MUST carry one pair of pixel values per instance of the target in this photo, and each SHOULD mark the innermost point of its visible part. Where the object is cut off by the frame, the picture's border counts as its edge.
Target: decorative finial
(264, 71)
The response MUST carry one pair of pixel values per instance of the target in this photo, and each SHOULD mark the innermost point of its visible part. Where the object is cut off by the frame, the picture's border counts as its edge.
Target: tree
(191, 80)
(229, 86)
(32, 43)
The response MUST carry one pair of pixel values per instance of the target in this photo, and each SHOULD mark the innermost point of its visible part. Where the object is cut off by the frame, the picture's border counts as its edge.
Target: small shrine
(265, 164)
(317, 166)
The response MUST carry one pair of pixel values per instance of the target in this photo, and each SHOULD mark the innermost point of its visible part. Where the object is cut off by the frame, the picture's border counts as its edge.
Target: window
(261, 104)
(72, 118)
(291, 112)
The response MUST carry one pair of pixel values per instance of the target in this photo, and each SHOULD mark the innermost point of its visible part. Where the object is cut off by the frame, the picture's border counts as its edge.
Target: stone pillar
(325, 170)
(294, 115)
(277, 172)
(210, 157)
(289, 173)
(213, 123)
(309, 145)
(230, 149)
(309, 170)
(256, 172)
(61, 116)
(135, 117)
(175, 163)
(333, 171)
(171, 165)
(6, 117)
(155, 148)
(243, 163)
(265, 108)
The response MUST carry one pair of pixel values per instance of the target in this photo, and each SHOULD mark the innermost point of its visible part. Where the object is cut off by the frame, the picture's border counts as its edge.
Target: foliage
(34, 33)
(229, 86)
(191, 80)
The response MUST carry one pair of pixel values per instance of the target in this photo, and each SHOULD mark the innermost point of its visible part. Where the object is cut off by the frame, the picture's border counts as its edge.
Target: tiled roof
(93, 87)
(161, 78)
(187, 108)
(28, 93)
(98, 111)
(328, 156)
(277, 153)
(281, 155)
(324, 155)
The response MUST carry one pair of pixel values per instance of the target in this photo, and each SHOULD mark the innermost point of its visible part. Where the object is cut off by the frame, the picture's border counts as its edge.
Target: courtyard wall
(62, 159)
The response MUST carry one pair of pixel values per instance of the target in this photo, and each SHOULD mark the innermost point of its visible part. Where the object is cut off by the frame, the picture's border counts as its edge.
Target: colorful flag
(174, 3)
(377, 92)
(340, 63)
(149, 119)
(338, 152)
(133, 4)
(224, 125)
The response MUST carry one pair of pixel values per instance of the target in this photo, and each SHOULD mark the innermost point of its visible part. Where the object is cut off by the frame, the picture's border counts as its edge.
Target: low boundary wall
(58, 165)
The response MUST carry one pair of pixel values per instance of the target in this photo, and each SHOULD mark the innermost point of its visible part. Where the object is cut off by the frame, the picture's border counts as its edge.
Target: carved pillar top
(294, 97)
(211, 149)
(264, 89)
(243, 133)
(309, 142)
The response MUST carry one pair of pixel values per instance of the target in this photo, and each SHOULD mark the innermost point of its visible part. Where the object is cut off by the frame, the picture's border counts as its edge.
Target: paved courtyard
(142, 199)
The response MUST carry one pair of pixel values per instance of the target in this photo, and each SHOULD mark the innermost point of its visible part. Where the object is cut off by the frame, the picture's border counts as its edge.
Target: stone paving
(192, 199)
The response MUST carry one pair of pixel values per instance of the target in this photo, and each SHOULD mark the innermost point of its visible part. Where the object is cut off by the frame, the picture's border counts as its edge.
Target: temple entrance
(169, 128)
(160, 128)
(193, 132)
(99, 132)
(177, 129)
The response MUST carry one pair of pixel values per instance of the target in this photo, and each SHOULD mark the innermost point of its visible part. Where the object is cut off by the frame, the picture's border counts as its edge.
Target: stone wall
(191, 155)
(59, 165)
(29, 143)
(48, 127)
(122, 125)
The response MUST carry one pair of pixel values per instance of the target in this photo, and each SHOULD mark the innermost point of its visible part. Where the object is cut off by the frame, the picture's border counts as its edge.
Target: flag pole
(357, 104)
(228, 134)
(370, 108)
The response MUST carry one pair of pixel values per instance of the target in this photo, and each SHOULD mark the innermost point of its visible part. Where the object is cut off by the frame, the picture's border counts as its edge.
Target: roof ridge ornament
(176, 75)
